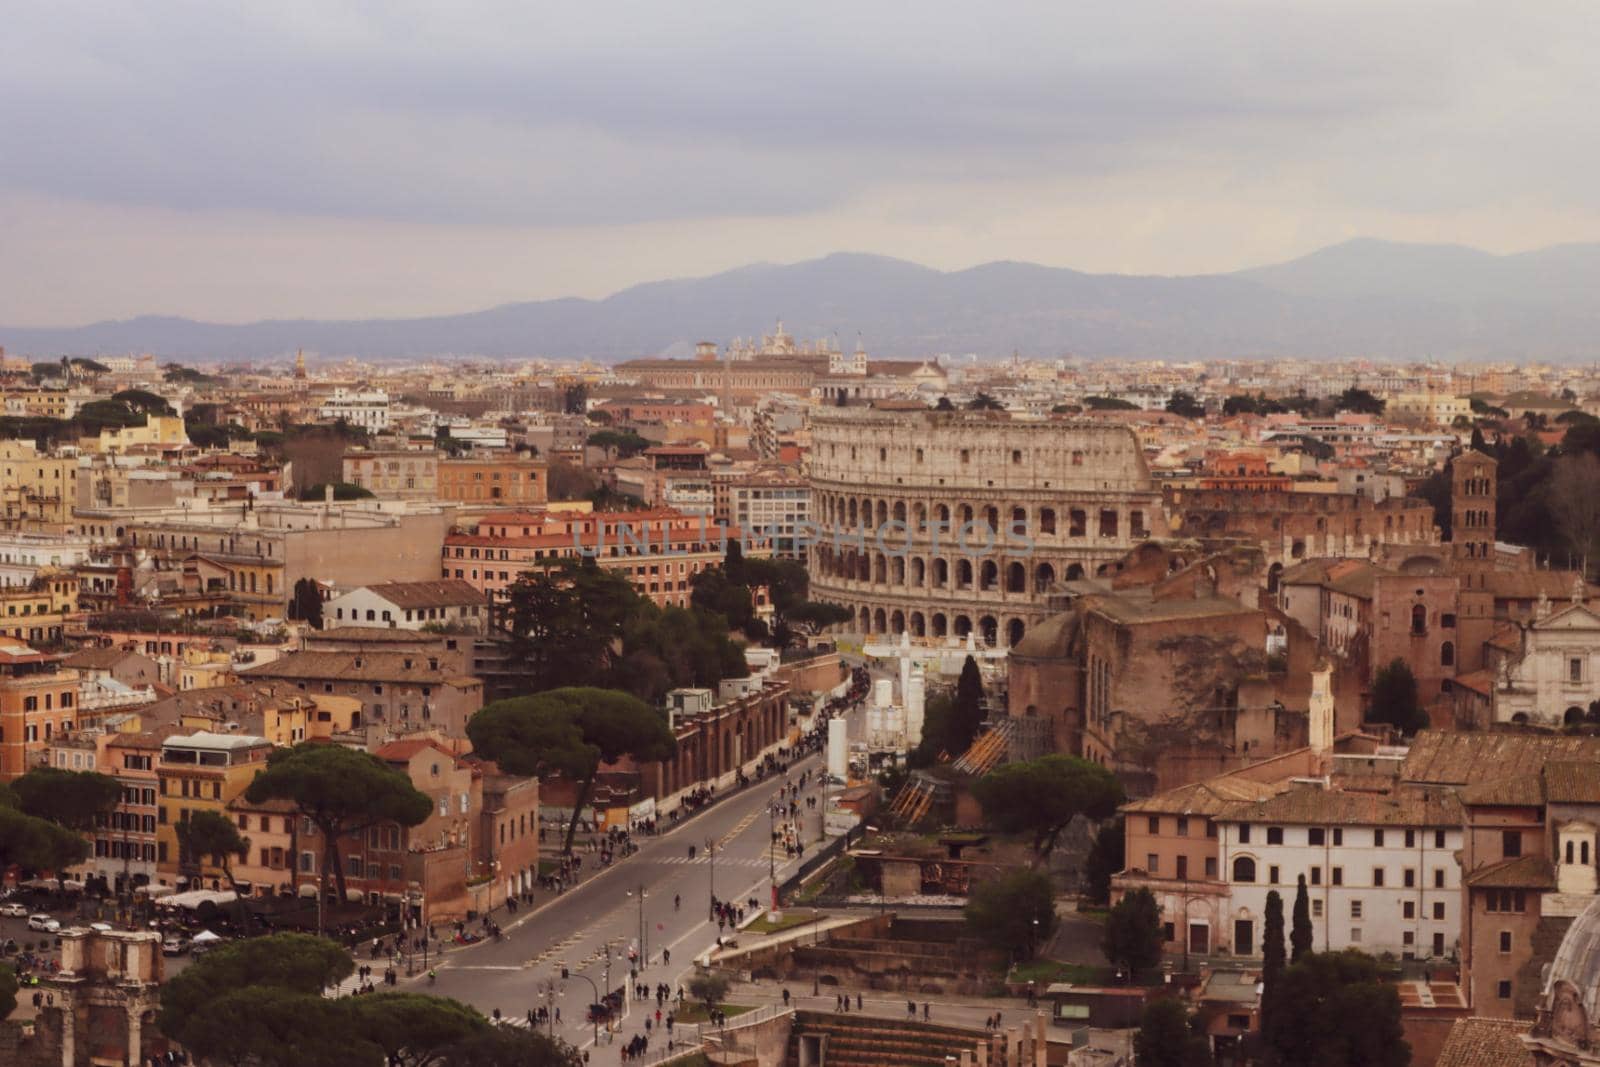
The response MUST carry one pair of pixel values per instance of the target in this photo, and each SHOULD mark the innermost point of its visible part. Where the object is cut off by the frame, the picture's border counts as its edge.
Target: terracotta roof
(360, 666)
(1310, 805)
(1521, 791)
(402, 750)
(378, 635)
(1524, 872)
(1480, 682)
(1210, 797)
(1572, 782)
(1443, 758)
(1475, 1042)
(1135, 610)
(91, 659)
(444, 593)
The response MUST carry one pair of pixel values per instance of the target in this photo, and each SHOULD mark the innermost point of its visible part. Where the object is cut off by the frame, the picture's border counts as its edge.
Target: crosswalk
(685, 861)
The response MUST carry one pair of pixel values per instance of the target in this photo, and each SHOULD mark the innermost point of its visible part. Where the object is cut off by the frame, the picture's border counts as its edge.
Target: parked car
(102, 928)
(13, 910)
(44, 924)
(175, 945)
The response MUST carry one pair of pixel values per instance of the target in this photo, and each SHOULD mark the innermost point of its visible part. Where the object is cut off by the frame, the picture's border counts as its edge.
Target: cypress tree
(1300, 936)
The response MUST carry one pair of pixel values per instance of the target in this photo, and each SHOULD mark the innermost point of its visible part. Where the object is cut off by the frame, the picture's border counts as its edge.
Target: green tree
(1359, 401)
(305, 605)
(1109, 403)
(1040, 797)
(1300, 935)
(260, 1002)
(564, 621)
(1182, 402)
(571, 732)
(1342, 1013)
(1133, 933)
(1107, 856)
(342, 791)
(38, 844)
(506, 1046)
(76, 800)
(143, 401)
(709, 988)
(413, 1030)
(1394, 698)
(618, 444)
(943, 404)
(967, 714)
(1166, 1039)
(814, 616)
(1016, 911)
(212, 834)
(341, 491)
(1272, 952)
(984, 402)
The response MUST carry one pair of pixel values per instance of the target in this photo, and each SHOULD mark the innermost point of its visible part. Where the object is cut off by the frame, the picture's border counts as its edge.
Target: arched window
(1244, 869)
(1419, 619)
(1447, 654)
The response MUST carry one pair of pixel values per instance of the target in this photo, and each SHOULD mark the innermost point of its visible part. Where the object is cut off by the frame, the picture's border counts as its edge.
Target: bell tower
(1472, 525)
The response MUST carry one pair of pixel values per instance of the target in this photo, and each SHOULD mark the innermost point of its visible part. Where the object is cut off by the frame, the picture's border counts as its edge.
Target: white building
(368, 410)
(1558, 673)
(776, 506)
(409, 606)
(1381, 869)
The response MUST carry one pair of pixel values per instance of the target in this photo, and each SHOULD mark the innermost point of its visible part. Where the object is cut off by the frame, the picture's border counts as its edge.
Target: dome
(1051, 639)
(1572, 988)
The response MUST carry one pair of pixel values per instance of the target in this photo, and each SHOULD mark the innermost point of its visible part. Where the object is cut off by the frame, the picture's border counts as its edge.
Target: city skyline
(334, 164)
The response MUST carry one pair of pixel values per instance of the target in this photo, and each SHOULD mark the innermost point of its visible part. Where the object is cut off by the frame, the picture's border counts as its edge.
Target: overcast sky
(352, 160)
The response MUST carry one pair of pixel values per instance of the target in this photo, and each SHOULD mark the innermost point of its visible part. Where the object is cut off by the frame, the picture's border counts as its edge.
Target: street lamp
(644, 950)
(592, 1017)
(772, 851)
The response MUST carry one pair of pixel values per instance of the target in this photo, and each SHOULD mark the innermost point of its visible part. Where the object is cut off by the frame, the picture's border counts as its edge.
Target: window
(1377, 839)
(1377, 877)
(1408, 910)
(1316, 836)
(1447, 654)
(1438, 839)
(1505, 940)
(1211, 866)
(1511, 844)
(1355, 935)
(1338, 875)
(1575, 669)
(1316, 908)
(1410, 877)
(1272, 875)
(1316, 876)
(1438, 909)
(1338, 837)
(1438, 878)
(1355, 909)
(1419, 619)
(1244, 833)
(1183, 826)
(1155, 824)
(1152, 863)
(1183, 867)
(1411, 839)
(1274, 835)
(1503, 990)
(1244, 869)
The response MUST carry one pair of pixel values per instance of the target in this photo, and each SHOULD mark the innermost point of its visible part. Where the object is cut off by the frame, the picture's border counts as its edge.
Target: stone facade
(946, 523)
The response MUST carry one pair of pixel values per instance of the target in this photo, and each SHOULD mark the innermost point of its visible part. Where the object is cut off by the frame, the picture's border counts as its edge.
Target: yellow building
(494, 480)
(157, 430)
(38, 491)
(35, 612)
(201, 772)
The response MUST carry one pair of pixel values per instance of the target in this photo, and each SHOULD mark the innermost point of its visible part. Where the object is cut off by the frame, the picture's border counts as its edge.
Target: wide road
(574, 930)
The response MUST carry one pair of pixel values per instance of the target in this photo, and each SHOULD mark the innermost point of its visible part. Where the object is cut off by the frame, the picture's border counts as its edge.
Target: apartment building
(125, 840)
(36, 610)
(366, 408)
(448, 602)
(38, 490)
(399, 692)
(397, 474)
(659, 551)
(38, 703)
(775, 506)
(509, 479)
(202, 771)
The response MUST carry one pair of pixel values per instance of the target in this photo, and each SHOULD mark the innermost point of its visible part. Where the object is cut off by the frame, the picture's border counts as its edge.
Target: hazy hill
(1363, 297)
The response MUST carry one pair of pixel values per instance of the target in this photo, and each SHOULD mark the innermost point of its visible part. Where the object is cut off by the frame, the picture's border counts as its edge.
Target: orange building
(660, 551)
(38, 702)
(507, 479)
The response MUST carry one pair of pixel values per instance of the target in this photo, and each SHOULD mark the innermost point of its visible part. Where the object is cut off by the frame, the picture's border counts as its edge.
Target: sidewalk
(964, 1011)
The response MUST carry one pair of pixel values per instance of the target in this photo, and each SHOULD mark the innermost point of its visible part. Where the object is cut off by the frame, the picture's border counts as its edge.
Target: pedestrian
(786, 997)
(926, 1012)
(911, 1009)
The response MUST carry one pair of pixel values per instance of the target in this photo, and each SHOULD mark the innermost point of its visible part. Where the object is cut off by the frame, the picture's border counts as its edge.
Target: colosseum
(946, 523)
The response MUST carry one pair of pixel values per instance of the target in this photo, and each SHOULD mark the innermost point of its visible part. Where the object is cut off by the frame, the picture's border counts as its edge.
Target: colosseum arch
(963, 573)
(989, 575)
(897, 570)
(866, 621)
(919, 516)
(962, 626)
(883, 514)
(879, 622)
(1044, 576)
(1074, 572)
(899, 511)
(989, 630)
(919, 571)
(852, 522)
(1016, 578)
(897, 622)
(940, 625)
(880, 568)
(941, 573)
(919, 625)
(1047, 521)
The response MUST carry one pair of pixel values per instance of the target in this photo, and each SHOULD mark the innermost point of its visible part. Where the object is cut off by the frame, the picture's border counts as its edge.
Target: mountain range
(1364, 297)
